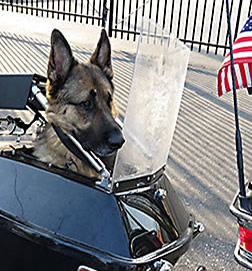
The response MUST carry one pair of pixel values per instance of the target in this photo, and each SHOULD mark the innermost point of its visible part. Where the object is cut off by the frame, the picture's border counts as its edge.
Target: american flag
(242, 51)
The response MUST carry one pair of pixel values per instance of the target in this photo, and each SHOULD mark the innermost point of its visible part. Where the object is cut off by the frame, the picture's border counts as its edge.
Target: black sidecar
(52, 221)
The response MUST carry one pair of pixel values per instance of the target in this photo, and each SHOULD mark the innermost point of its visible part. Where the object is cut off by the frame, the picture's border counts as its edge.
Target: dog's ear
(102, 55)
(60, 59)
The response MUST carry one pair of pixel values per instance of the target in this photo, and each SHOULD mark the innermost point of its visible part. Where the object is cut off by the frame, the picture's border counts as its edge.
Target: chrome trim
(40, 96)
(86, 268)
(239, 258)
(133, 191)
(198, 228)
(160, 194)
(162, 265)
(236, 211)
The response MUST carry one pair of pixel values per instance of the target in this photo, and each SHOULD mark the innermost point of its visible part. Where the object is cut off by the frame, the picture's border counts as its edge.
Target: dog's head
(80, 95)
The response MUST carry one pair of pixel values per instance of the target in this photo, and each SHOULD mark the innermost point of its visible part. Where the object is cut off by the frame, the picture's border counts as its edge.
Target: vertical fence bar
(179, 19)
(157, 12)
(99, 13)
(93, 11)
(42, 5)
(238, 19)
(116, 17)
(22, 8)
(122, 27)
(164, 18)
(211, 25)
(52, 8)
(32, 7)
(104, 14)
(195, 22)
(150, 10)
(36, 7)
(69, 10)
(135, 24)
(87, 11)
(150, 13)
(129, 17)
(172, 12)
(64, 9)
(226, 40)
(143, 11)
(219, 29)
(58, 9)
(75, 10)
(82, 11)
(187, 19)
(26, 6)
(156, 22)
(249, 10)
(203, 22)
(111, 15)
(47, 6)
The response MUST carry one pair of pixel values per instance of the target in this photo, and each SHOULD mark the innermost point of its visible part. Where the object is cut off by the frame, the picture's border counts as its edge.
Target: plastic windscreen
(153, 105)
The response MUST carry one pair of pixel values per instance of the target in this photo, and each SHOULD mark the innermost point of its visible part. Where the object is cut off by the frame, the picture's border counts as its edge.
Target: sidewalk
(202, 163)
(202, 160)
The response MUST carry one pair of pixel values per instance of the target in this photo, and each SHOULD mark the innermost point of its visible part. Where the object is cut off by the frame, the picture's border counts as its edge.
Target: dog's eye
(86, 104)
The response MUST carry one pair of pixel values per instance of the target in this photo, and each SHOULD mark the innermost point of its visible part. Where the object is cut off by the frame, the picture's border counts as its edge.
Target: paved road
(201, 163)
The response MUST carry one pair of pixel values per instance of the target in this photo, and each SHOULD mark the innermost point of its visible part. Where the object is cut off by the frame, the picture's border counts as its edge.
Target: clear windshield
(153, 105)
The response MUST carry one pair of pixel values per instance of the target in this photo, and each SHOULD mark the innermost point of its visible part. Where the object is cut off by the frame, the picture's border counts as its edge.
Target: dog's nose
(116, 140)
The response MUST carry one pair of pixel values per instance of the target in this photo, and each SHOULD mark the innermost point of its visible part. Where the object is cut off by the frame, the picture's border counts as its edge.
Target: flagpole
(238, 133)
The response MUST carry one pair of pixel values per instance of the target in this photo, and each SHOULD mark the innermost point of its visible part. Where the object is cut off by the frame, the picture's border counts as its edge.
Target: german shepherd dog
(80, 98)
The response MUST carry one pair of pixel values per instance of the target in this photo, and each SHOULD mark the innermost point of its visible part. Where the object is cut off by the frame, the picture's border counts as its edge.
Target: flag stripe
(248, 76)
(220, 82)
(226, 84)
(242, 44)
(250, 69)
(241, 50)
(229, 78)
(239, 56)
(244, 34)
(238, 76)
(243, 39)
(243, 75)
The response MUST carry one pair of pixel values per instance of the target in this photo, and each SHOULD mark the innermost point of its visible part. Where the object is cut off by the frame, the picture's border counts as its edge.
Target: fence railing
(201, 24)
(83, 11)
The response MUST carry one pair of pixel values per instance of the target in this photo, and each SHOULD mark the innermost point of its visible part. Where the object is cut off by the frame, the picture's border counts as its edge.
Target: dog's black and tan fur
(81, 103)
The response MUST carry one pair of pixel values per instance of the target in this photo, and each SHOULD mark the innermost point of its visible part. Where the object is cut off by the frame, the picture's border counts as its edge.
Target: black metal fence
(84, 11)
(201, 24)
